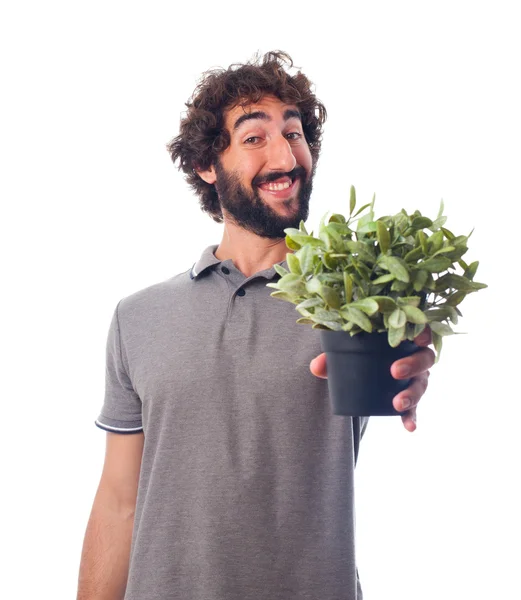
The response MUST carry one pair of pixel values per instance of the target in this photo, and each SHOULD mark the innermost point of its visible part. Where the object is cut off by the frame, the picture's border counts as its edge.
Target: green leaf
(457, 253)
(397, 318)
(291, 244)
(313, 286)
(437, 341)
(445, 250)
(396, 335)
(305, 256)
(399, 286)
(460, 240)
(291, 283)
(456, 298)
(281, 270)
(470, 271)
(304, 320)
(310, 303)
(333, 233)
(441, 313)
(408, 301)
(440, 212)
(301, 238)
(435, 242)
(385, 304)
(418, 328)
(366, 224)
(352, 200)
(440, 328)
(422, 238)
(434, 265)
(361, 209)
(302, 228)
(362, 251)
(384, 239)
(383, 279)
(282, 296)
(294, 264)
(420, 279)
(396, 266)
(324, 236)
(319, 324)
(348, 287)
(330, 277)
(438, 223)
(329, 262)
(327, 315)
(358, 318)
(457, 282)
(448, 234)
(421, 222)
(414, 315)
(366, 305)
(331, 297)
(413, 255)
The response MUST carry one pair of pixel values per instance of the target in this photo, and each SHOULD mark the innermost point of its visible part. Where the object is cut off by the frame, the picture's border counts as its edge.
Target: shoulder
(153, 297)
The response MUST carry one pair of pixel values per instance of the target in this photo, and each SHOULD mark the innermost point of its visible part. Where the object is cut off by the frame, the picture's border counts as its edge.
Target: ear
(209, 175)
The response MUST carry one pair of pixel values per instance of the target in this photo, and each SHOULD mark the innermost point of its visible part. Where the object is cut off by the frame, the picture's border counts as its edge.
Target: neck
(249, 252)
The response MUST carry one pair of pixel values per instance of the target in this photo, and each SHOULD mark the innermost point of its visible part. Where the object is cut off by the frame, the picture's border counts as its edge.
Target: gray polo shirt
(246, 485)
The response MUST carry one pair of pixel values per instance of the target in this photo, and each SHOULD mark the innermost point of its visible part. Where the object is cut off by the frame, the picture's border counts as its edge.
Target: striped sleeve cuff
(116, 426)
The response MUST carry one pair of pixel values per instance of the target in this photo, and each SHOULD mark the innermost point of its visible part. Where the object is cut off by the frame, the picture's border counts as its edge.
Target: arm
(106, 547)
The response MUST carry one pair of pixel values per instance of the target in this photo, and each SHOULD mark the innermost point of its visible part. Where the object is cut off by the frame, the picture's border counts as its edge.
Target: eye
(296, 134)
(254, 137)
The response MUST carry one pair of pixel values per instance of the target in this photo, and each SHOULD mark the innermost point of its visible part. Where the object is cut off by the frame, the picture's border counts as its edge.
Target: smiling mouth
(281, 190)
(278, 185)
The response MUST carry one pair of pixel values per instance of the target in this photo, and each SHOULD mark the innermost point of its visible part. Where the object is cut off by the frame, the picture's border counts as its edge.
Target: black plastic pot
(358, 372)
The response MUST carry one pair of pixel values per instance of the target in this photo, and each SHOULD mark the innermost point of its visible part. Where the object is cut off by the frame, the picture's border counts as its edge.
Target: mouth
(281, 190)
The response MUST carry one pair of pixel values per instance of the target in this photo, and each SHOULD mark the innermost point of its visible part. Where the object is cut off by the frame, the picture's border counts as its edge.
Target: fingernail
(403, 371)
(406, 402)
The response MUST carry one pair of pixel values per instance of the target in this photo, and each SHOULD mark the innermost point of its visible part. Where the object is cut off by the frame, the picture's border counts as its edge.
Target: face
(264, 178)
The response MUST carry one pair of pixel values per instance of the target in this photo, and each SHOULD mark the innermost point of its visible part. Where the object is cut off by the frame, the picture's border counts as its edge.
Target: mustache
(297, 172)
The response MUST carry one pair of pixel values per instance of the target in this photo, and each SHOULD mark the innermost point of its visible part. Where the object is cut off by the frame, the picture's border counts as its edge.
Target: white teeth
(277, 187)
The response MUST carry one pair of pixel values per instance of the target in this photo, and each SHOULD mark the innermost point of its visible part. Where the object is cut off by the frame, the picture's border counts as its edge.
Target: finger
(413, 365)
(408, 399)
(318, 366)
(409, 420)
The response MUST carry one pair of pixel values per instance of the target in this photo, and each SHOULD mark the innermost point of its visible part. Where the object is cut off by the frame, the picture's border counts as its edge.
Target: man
(237, 481)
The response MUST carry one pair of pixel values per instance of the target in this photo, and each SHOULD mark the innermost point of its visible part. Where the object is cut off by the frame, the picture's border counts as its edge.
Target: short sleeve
(121, 410)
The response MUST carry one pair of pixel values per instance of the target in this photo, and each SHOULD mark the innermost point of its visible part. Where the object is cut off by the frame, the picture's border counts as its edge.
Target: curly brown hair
(202, 134)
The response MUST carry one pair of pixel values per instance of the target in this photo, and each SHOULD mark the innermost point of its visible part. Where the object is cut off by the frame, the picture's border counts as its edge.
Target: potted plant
(371, 286)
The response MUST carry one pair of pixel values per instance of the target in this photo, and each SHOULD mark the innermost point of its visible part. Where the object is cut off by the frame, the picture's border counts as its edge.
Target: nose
(281, 156)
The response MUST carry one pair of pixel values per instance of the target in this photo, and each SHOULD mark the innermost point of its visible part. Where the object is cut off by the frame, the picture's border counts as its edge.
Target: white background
(423, 102)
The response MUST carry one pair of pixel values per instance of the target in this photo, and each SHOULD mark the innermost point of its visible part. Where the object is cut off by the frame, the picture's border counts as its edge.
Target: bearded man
(226, 475)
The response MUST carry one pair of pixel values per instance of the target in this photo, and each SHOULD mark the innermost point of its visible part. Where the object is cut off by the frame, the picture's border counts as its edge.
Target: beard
(247, 209)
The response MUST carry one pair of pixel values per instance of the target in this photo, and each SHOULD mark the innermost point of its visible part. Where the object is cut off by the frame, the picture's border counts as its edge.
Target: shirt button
(225, 270)
(241, 292)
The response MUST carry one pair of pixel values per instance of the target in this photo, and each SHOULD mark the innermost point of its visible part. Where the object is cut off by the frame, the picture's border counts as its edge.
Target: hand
(418, 364)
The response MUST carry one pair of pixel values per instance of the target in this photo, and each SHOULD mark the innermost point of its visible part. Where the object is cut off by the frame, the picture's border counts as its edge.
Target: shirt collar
(208, 259)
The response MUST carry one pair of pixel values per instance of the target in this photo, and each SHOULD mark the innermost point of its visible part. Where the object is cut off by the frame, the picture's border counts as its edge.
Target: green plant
(387, 275)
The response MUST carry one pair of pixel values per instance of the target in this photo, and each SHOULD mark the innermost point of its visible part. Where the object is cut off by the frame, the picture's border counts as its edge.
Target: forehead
(270, 105)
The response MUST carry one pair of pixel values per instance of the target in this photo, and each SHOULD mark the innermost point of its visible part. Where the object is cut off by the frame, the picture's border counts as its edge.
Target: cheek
(303, 157)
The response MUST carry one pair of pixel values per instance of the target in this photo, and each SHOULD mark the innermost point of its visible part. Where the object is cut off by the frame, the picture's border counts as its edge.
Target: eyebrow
(289, 113)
